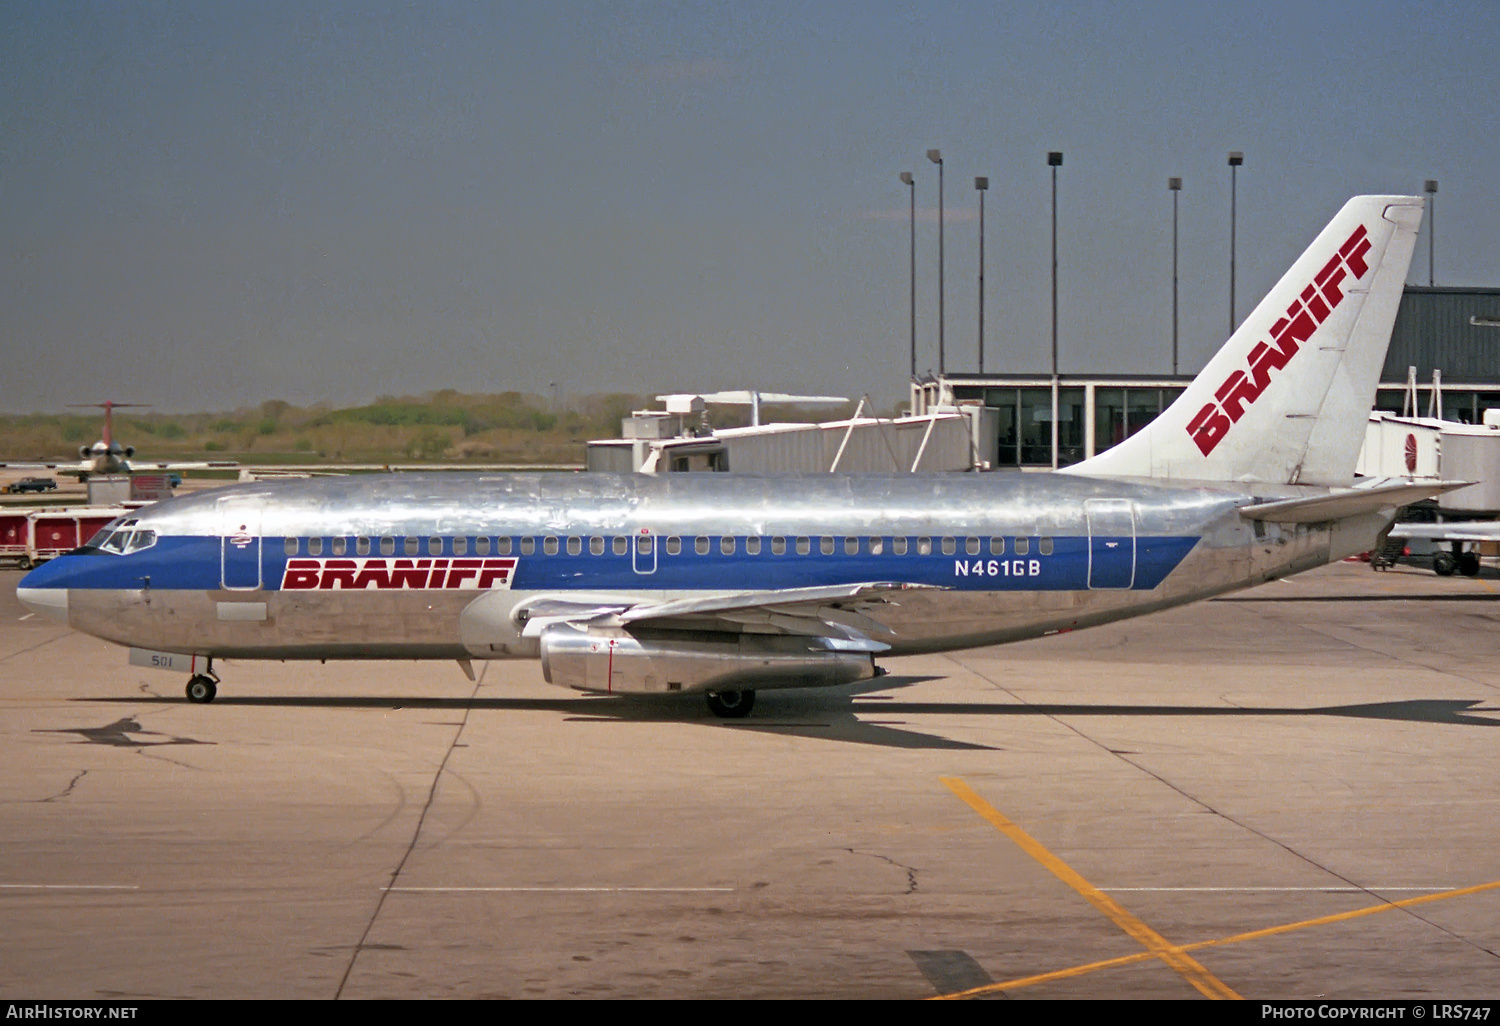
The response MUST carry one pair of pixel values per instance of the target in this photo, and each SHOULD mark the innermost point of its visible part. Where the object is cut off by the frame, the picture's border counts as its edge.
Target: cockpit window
(123, 539)
(102, 535)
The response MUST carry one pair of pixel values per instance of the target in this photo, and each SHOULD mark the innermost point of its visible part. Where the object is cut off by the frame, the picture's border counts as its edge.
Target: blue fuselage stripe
(1074, 564)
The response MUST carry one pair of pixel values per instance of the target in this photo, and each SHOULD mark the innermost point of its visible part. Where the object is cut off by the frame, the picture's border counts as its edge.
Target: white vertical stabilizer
(1287, 398)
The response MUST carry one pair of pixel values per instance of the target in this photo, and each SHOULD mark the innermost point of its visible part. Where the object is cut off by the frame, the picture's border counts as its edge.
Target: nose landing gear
(202, 687)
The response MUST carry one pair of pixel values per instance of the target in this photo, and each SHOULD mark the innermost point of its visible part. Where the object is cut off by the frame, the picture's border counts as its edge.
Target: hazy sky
(205, 205)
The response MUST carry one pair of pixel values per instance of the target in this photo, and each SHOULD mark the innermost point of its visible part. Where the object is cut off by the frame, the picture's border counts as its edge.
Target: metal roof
(1454, 330)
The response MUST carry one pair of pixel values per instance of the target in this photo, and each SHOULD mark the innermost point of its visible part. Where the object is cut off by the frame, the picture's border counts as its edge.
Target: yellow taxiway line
(1155, 944)
(1167, 952)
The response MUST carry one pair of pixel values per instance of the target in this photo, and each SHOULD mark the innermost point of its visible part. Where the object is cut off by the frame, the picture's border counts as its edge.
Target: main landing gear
(1466, 563)
(730, 705)
(202, 687)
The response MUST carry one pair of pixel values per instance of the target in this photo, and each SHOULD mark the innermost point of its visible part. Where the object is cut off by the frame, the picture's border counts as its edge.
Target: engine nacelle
(642, 662)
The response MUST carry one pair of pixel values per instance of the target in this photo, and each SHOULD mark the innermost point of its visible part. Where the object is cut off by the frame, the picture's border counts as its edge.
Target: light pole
(1054, 161)
(1431, 189)
(937, 158)
(1175, 185)
(983, 185)
(1236, 158)
(910, 181)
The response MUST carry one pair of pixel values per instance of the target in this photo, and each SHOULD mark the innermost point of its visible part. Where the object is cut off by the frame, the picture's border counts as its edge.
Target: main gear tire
(730, 705)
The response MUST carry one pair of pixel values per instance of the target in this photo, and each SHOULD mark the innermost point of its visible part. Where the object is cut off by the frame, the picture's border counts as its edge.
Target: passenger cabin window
(528, 545)
(997, 546)
(825, 546)
(643, 545)
(752, 545)
(315, 546)
(726, 545)
(481, 546)
(674, 545)
(700, 545)
(338, 546)
(575, 546)
(620, 546)
(434, 546)
(1044, 546)
(924, 546)
(1023, 546)
(950, 546)
(361, 546)
(851, 546)
(596, 546)
(289, 546)
(460, 546)
(778, 546)
(502, 545)
(387, 546)
(971, 546)
(410, 546)
(804, 546)
(898, 545)
(549, 545)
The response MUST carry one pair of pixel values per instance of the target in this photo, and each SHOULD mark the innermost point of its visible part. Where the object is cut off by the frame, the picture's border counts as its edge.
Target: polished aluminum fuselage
(214, 582)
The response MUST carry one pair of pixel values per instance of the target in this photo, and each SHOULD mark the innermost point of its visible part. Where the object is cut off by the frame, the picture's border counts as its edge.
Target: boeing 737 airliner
(725, 583)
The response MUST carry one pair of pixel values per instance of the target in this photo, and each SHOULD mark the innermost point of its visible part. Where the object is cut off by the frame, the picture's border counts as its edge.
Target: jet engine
(642, 661)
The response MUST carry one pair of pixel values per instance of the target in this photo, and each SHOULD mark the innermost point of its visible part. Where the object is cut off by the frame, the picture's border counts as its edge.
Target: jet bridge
(679, 438)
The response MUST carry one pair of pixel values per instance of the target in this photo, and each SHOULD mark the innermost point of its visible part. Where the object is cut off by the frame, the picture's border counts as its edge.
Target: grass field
(445, 426)
(448, 426)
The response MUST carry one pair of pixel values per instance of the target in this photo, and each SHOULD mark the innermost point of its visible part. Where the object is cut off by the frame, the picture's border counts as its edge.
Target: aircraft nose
(49, 602)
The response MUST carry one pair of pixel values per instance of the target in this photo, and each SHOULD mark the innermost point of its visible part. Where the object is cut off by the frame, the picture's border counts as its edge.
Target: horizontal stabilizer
(1349, 502)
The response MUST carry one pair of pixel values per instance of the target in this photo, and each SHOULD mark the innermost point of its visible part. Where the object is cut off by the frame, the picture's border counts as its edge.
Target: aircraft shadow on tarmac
(1431, 597)
(851, 714)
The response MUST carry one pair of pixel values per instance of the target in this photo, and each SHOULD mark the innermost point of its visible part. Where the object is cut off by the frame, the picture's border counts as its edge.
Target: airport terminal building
(1451, 334)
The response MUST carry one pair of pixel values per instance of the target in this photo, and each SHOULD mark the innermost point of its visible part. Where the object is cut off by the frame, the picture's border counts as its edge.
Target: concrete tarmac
(1288, 793)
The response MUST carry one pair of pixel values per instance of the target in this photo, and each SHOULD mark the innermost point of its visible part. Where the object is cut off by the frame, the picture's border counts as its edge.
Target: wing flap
(793, 601)
(839, 613)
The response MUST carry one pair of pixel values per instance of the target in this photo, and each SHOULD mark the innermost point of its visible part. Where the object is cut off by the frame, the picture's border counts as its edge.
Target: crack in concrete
(911, 871)
(65, 791)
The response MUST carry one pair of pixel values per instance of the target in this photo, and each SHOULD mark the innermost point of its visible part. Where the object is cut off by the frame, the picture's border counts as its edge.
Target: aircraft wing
(87, 466)
(847, 615)
(1348, 502)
